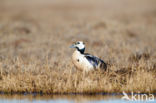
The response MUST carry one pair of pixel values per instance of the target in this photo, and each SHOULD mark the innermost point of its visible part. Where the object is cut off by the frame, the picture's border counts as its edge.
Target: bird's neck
(81, 50)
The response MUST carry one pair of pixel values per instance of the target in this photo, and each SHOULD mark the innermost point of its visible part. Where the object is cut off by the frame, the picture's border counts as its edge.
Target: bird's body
(84, 61)
(81, 62)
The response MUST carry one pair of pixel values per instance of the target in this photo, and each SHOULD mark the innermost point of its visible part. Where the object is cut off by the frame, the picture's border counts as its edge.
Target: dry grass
(35, 54)
(34, 77)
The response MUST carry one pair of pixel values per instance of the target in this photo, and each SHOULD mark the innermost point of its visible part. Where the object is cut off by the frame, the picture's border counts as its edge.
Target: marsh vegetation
(35, 37)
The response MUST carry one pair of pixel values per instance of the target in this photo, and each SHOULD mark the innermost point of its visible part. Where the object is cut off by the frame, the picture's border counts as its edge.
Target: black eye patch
(77, 43)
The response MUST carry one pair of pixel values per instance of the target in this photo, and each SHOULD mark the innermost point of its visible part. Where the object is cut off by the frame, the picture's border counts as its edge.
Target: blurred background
(35, 36)
(112, 29)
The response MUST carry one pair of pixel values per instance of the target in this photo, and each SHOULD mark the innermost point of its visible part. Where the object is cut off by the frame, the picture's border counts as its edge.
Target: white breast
(81, 62)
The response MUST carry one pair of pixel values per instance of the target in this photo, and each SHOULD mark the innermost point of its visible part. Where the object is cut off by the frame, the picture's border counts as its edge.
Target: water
(66, 99)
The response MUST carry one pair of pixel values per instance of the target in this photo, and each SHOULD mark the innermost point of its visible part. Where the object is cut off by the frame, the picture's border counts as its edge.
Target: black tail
(103, 65)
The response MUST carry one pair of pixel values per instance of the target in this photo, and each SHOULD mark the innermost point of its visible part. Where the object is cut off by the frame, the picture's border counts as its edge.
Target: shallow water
(66, 99)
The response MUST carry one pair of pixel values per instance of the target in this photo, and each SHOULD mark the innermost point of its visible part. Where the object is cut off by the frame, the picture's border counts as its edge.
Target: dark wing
(92, 59)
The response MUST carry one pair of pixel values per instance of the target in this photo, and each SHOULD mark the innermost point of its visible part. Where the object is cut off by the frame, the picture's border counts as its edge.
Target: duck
(85, 61)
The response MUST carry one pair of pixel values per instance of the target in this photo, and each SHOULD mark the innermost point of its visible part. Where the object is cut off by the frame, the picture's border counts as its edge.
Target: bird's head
(80, 46)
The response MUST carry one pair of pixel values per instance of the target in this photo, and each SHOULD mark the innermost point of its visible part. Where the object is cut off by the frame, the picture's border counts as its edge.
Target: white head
(80, 46)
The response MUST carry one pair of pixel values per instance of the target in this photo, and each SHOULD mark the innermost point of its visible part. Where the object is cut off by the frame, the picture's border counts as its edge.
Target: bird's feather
(93, 60)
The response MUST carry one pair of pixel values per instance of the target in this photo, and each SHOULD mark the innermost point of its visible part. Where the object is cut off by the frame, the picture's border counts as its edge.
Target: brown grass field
(35, 36)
